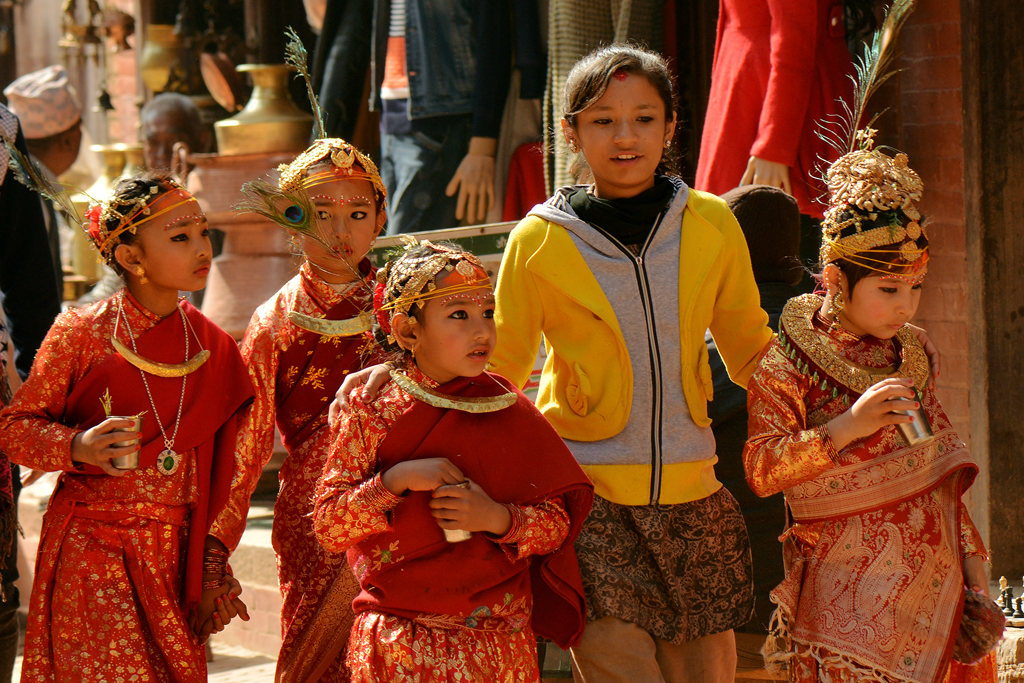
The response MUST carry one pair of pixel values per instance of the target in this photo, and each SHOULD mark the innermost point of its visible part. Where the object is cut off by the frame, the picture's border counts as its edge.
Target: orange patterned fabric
(317, 587)
(353, 506)
(874, 583)
(111, 609)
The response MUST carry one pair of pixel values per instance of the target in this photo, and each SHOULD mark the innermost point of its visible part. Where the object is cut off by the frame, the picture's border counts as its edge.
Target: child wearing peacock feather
(298, 346)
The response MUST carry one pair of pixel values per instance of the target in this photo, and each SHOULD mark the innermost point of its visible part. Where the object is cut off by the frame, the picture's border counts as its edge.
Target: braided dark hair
(123, 201)
(390, 288)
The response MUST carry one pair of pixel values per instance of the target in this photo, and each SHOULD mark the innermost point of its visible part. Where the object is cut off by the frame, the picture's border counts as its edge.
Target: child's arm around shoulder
(351, 503)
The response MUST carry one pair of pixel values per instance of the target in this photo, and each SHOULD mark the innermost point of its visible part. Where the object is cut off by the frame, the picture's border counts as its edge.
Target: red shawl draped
(213, 395)
(516, 456)
(314, 366)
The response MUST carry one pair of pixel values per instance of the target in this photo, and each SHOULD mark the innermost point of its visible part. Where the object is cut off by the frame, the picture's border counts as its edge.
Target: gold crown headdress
(410, 278)
(872, 196)
(129, 215)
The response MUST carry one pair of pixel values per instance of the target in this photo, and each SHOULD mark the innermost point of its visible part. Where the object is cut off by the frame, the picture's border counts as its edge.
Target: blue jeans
(417, 166)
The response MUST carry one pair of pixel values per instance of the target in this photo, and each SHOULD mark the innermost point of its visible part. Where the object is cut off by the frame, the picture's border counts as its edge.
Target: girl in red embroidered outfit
(131, 568)
(299, 346)
(842, 419)
(447, 451)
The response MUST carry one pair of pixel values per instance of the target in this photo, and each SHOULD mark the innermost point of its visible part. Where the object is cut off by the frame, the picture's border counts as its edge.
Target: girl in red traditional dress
(131, 568)
(457, 502)
(885, 577)
(299, 346)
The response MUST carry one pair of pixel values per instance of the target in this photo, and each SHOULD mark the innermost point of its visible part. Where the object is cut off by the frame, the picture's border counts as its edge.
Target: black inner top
(629, 219)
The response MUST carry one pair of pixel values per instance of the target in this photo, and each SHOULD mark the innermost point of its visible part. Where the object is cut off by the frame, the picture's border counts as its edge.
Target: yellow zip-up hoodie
(545, 287)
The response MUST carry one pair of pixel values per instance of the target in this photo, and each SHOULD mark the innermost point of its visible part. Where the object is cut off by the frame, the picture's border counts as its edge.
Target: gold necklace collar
(333, 328)
(155, 367)
(799, 337)
(476, 404)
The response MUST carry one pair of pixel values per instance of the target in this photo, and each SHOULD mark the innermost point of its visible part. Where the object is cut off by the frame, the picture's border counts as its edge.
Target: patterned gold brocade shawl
(314, 366)
(880, 593)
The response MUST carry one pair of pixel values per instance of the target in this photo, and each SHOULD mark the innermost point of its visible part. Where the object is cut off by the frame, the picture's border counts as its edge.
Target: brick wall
(926, 121)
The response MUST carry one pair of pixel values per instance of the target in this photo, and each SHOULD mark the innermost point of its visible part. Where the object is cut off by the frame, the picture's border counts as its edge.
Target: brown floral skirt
(678, 571)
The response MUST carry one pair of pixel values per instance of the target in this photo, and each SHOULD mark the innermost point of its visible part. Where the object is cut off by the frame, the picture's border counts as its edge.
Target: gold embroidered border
(797, 328)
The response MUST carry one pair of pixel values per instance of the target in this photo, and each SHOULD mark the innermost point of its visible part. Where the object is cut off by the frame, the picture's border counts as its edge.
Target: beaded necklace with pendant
(169, 459)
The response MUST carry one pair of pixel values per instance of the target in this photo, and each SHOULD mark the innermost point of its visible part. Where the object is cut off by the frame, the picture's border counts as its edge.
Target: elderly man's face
(160, 130)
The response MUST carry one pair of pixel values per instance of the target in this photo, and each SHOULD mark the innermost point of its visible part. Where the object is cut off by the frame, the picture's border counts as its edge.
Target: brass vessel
(113, 157)
(270, 121)
(134, 161)
(160, 54)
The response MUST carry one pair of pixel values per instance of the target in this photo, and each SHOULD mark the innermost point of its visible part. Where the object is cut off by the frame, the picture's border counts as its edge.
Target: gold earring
(668, 143)
(573, 147)
(837, 305)
(141, 273)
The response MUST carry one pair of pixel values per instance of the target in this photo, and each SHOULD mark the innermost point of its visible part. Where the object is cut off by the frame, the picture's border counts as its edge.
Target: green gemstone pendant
(167, 462)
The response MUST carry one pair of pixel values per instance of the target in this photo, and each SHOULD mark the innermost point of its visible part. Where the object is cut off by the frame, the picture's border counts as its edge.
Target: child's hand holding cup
(458, 535)
(920, 430)
(130, 461)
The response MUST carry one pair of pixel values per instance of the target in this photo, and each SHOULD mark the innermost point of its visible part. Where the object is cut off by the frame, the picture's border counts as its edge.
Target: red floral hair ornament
(93, 217)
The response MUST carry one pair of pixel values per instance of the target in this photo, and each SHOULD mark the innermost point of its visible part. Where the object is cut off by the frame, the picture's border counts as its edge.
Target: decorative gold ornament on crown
(340, 153)
(418, 275)
(863, 185)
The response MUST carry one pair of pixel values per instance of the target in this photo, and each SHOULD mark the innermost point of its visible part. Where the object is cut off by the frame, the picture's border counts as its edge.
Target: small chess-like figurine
(1019, 612)
(1006, 596)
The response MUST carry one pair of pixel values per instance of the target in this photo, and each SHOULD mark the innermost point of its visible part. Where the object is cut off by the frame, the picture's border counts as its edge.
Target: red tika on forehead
(464, 281)
(913, 273)
(621, 75)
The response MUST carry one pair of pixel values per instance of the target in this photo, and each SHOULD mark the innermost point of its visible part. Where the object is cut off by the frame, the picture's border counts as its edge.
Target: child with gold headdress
(135, 400)
(299, 345)
(458, 504)
(885, 577)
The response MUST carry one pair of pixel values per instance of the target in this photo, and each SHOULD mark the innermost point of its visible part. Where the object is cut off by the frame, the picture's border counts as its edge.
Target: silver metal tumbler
(920, 430)
(458, 535)
(130, 461)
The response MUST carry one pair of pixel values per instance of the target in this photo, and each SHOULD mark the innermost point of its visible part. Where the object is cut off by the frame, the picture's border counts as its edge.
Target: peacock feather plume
(28, 173)
(292, 210)
(872, 69)
(295, 55)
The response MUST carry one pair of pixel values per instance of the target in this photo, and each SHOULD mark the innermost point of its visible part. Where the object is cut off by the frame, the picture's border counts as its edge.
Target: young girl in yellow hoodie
(621, 277)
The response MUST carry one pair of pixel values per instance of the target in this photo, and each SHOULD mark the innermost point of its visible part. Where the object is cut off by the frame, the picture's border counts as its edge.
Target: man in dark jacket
(31, 302)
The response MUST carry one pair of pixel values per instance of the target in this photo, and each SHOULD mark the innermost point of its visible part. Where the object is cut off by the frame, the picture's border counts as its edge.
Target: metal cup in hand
(130, 461)
(920, 430)
(458, 535)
